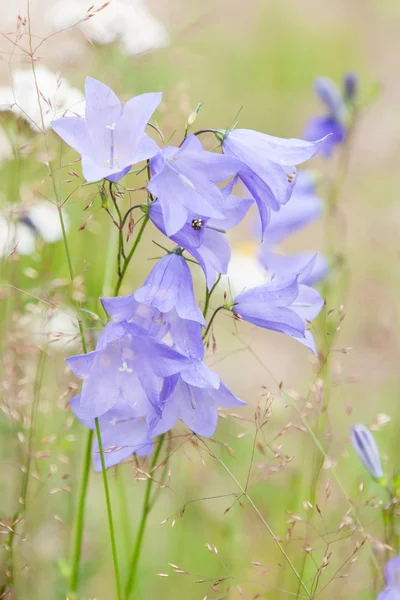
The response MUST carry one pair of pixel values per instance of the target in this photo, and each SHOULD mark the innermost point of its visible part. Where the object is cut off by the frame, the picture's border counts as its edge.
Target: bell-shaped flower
(303, 207)
(311, 267)
(269, 166)
(367, 450)
(195, 403)
(125, 430)
(282, 305)
(127, 366)
(111, 138)
(205, 237)
(338, 105)
(183, 180)
(164, 304)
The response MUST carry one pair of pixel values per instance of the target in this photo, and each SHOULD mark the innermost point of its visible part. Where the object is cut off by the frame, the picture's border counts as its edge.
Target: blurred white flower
(57, 97)
(19, 229)
(128, 21)
(244, 270)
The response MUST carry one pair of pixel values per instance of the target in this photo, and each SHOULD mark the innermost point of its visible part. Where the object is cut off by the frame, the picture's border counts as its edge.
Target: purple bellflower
(205, 237)
(303, 208)
(392, 577)
(183, 180)
(367, 450)
(111, 137)
(196, 405)
(164, 304)
(339, 105)
(269, 165)
(127, 366)
(311, 267)
(124, 430)
(283, 305)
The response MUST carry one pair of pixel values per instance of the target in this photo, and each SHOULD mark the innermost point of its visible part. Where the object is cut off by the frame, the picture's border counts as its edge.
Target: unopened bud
(193, 116)
(365, 445)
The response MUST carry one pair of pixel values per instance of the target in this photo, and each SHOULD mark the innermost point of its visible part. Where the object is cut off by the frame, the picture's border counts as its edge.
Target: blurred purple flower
(127, 365)
(269, 166)
(282, 305)
(183, 180)
(303, 207)
(205, 237)
(338, 105)
(196, 405)
(365, 445)
(111, 137)
(392, 577)
(311, 267)
(164, 304)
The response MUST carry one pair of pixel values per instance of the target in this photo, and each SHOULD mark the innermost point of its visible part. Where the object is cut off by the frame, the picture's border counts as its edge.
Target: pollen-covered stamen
(291, 177)
(111, 128)
(125, 368)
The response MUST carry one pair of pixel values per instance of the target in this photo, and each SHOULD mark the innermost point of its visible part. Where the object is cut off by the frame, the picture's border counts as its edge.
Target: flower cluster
(148, 368)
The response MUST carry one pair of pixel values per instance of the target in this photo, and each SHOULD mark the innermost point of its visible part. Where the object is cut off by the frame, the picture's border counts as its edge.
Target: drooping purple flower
(303, 207)
(164, 304)
(111, 137)
(125, 430)
(205, 237)
(269, 165)
(311, 267)
(367, 450)
(183, 180)
(195, 405)
(338, 105)
(392, 577)
(282, 305)
(127, 366)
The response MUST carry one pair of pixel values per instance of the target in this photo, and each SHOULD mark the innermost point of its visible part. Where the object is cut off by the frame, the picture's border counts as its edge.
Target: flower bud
(193, 116)
(364, 444)
(350, 82)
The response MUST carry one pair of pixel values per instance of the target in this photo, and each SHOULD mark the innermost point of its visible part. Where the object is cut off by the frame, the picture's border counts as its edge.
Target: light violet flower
(204, 237)
(111, 137)
(57, 97)
(164, 304)
(195, 405)
(127, 365)
(269, 165)
(183, 180)
(367, 450)
(125, 429)
(282, 305)
(392, 577)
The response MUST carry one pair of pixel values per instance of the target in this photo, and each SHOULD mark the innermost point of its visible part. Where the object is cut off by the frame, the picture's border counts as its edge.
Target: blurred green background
(263, 56)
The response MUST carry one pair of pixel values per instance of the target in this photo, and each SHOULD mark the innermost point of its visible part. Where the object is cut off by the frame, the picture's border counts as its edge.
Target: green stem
(109, 511)
(131, 253)
(212, 320)
(79, 522)
(209, 294)
(145, 513)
